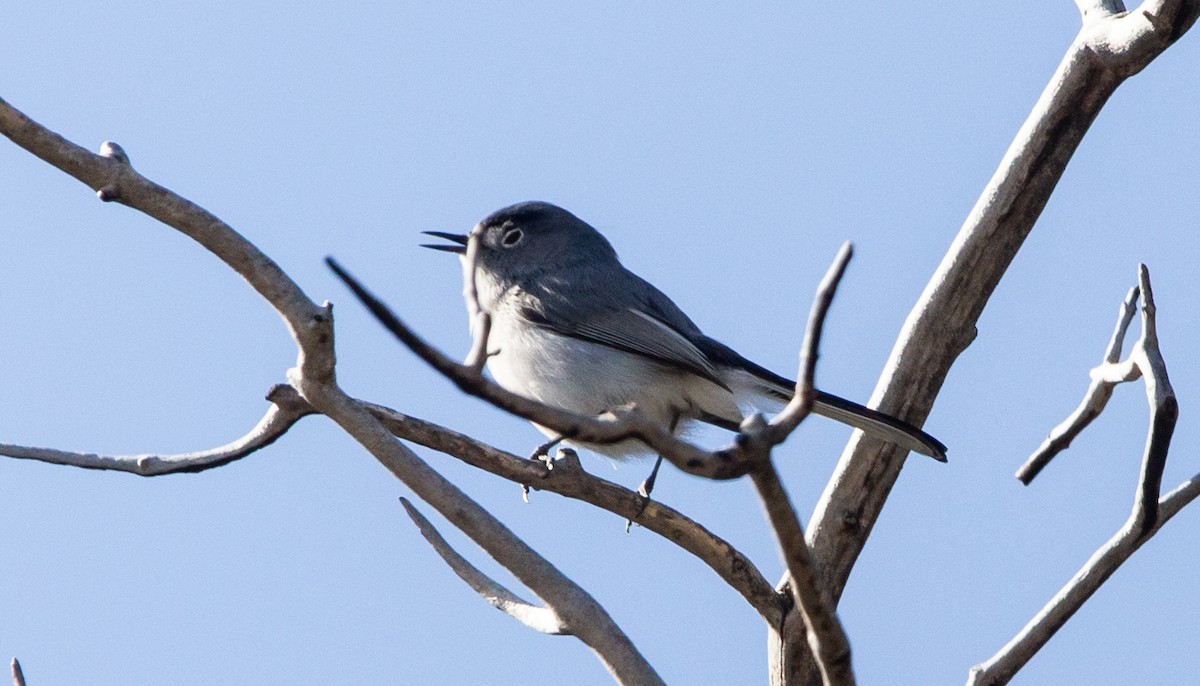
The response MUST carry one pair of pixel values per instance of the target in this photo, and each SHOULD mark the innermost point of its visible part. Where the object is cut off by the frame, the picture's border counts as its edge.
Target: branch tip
(541, 619)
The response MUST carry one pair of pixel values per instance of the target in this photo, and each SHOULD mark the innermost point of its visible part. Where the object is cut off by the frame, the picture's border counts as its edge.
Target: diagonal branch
(826, 638)
(1001, 667)
(311, 327)
(541, 619)
(1104, 380)
(1148, 515)
(730, 564)
(942, 322)
(287, 408)
(1145, 360)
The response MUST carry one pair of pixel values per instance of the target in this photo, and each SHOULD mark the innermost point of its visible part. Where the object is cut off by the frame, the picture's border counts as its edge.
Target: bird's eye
(512, 237)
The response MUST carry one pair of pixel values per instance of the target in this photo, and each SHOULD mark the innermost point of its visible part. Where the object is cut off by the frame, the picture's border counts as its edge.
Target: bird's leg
(648, 485)
(541, 454)
(644, 491)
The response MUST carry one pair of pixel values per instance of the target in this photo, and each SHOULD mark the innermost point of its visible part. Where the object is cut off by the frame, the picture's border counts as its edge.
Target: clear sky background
(726, 153)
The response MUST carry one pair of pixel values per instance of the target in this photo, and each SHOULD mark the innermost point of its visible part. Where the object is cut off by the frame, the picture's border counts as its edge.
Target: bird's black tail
(873, 422)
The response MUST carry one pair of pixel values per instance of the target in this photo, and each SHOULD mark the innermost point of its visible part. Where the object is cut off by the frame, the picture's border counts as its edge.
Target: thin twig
(1094, 400)
(287, 408)
(826, 637)
(1164, 408)
(541, 619)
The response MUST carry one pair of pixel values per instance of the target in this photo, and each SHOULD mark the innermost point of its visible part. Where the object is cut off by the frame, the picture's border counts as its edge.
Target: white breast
(590, 379)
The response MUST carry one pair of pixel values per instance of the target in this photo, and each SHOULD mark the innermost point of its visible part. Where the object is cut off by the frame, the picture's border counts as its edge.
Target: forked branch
(1104, 380)
(1149, 513)
(826, 637)
(750, 452)
(311, 326)
(730, 564)
(1145, 360)
(1110, 47)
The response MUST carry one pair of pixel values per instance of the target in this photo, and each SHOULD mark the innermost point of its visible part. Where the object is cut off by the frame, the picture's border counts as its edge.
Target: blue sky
(726, 153)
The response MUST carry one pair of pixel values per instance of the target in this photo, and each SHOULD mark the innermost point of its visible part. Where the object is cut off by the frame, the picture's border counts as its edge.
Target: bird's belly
(577, 375)
(590, 379)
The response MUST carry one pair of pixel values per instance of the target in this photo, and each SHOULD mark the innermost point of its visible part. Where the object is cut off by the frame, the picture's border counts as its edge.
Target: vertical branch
(825, 635)
(1164, 409)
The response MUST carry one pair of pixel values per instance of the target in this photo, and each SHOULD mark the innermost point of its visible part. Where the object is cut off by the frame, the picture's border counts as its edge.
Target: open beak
(459, 240)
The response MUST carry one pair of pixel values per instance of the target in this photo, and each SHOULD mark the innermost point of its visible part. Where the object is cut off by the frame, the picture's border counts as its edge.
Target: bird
(573, 328)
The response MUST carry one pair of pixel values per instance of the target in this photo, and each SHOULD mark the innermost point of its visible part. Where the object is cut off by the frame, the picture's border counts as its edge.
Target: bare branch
(826, 638)
(1145, 360)
(18, 676)
(1001, 667)
(541, 619)
(1145, 519)
(115, 179)
(287, 408)
(730, 564)
(587, 619)
(1164, 408)
(1094, 400)
(801, 403)
(942, 322)
(313, 378)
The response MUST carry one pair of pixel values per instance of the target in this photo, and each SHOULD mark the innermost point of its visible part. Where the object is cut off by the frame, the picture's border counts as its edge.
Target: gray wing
(625, 313)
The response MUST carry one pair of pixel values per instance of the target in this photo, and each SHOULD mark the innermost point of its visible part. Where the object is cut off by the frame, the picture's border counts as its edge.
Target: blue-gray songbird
(573, 328)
